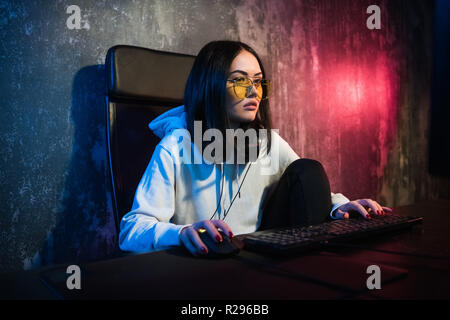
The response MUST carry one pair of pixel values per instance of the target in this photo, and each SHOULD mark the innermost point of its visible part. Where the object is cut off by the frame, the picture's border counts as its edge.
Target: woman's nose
(252, 91)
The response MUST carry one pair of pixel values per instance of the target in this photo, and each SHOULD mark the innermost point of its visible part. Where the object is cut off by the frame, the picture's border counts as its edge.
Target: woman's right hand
(190, 238)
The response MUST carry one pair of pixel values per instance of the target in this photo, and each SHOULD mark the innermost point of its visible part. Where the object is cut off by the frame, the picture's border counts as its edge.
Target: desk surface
(414, 264)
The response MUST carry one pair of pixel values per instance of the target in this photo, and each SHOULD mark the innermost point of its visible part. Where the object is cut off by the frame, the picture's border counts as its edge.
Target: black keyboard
(296, 239)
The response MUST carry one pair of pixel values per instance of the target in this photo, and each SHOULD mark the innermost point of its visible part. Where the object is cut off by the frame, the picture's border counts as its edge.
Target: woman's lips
(251, 106)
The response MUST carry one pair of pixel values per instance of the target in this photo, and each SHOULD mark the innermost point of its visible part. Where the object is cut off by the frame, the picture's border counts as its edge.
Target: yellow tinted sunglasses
(243, 87)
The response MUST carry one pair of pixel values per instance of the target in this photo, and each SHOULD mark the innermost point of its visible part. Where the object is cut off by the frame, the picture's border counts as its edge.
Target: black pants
(302, 197)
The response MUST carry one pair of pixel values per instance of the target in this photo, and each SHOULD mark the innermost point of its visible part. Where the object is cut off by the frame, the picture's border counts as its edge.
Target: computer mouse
(226, 248)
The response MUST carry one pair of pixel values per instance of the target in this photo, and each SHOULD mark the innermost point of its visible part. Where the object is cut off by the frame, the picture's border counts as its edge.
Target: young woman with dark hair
(226, 90)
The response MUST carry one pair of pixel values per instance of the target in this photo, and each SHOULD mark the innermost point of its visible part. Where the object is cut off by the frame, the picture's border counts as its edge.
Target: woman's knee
(303, 164)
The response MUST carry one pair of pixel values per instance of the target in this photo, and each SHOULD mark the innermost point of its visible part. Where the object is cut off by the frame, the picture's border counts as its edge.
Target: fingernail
(219, 238)
(231, 235)
(204, 250)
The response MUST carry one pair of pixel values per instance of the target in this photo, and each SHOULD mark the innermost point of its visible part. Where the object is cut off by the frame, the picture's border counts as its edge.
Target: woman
(226, 89)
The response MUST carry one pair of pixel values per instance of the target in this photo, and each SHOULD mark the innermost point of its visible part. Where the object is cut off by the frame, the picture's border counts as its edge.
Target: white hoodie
(174, 193)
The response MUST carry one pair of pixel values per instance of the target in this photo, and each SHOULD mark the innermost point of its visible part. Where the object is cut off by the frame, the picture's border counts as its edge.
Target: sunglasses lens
(244, 89)
(241, 92)
(266, 86)
(260, 91)
(264, 89)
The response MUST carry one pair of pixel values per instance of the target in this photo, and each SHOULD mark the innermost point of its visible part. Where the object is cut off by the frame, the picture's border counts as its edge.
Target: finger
(379, 207)
(371, 204)
(188, 244)
(382, 211)
(196, 241)
(341, 214)
(376, 209)
(222, 225)
(212, 231)
(357, 207)
(386, 209)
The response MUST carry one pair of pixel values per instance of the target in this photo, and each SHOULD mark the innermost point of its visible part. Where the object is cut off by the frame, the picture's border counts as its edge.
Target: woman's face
(240, 110)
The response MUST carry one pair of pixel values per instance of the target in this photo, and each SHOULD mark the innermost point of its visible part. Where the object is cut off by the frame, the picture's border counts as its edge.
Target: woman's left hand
(363, 206)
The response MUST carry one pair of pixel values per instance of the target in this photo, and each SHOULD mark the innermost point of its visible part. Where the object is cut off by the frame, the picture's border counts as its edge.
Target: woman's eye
(242, 81)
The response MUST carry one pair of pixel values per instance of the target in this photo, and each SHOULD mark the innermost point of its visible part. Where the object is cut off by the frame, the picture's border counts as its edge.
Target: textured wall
(353, 98)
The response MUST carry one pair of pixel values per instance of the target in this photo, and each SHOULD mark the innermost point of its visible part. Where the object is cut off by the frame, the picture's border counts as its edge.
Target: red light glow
(358, 88)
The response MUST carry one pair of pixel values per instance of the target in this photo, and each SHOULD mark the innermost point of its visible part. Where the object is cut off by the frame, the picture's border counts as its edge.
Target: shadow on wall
(85, 229)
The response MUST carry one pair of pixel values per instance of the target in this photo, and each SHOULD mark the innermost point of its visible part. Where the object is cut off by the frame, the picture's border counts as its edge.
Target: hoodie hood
(170, 120)
(174, 119)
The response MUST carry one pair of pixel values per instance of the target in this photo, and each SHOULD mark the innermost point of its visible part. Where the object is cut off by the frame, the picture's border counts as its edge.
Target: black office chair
(142, 84)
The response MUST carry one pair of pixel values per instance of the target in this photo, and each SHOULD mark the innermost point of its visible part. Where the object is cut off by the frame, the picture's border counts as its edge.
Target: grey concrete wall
(56, 203)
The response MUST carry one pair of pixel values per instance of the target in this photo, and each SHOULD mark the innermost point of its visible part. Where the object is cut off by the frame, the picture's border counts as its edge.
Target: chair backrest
(142, 84)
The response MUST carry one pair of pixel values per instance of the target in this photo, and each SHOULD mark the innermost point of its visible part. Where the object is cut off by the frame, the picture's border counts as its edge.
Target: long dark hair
(205, 92)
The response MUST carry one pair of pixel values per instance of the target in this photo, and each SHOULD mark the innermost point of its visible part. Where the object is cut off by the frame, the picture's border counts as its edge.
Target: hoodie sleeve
(337, 200)
(146, 227)
(287, 156)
